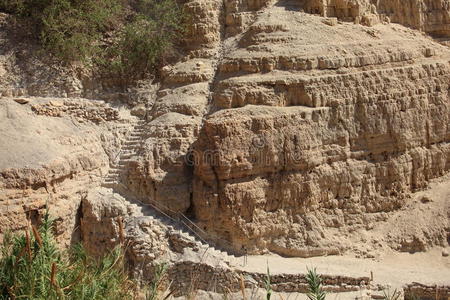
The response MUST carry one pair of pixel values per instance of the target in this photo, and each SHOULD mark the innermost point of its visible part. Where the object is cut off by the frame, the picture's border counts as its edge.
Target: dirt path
(390, 267)
(395, 269)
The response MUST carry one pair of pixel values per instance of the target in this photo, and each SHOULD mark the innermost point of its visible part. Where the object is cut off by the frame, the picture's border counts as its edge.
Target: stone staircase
(181, 234)
(180, 228)
(128, 150)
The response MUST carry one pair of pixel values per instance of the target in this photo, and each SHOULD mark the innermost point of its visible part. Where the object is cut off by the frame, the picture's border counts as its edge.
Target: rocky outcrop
(52, 152)
(312, 139)
(417, 290)
(292, 132)
(240, 14)
(160, 172)
(300, 128)
(430, 16)
(279, 130)
(148, 236)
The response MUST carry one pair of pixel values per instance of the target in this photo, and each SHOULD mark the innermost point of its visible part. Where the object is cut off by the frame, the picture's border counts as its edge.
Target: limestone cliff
(299, 129)
(286, 127)
(430, 16)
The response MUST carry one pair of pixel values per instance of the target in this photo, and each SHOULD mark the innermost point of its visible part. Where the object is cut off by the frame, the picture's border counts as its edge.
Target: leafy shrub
(75, 30)
(32, 267)
(16, 7)
(147, 39)
(69, 29)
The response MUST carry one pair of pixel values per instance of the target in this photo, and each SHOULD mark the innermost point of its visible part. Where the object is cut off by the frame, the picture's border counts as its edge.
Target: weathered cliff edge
(288, 125)
(298, 128)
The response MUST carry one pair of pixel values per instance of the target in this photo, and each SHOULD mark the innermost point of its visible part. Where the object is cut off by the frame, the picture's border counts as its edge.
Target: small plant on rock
(315, 291)
(153, 292)
(268, 285)
(391, 295)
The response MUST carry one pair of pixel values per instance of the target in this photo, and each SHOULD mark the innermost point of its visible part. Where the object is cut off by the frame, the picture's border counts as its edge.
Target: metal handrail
(180, 218)
(193, 228)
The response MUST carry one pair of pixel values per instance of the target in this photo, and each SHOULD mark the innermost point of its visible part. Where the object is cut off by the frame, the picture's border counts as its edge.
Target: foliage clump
(32, 267)
(126, 38)
(148, 38)
(315, 290)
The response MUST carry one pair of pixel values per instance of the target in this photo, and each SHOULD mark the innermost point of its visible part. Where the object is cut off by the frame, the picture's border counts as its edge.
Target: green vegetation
(315, 291)
(268, 285)
(392, 295)
(153, 292)
(125, 38)
(148, 38)
(32, 267)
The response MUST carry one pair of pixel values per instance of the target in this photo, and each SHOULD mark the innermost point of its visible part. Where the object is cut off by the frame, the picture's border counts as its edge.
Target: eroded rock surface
(296, 127)
(279, 132)
(319, 128)
(430, 16)
(52, 152)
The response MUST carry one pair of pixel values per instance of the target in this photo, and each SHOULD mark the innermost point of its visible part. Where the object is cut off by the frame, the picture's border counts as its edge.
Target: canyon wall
(160, 172)
(52, 152)
(430, 16)
(313, 130)
(287, 127)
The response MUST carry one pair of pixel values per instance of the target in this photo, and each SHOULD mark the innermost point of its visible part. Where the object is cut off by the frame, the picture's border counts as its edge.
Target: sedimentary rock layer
(431, 16)
(319, 128)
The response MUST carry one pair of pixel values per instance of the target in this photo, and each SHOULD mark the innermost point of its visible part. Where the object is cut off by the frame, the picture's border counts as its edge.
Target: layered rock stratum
(313, 127)
(301, 128)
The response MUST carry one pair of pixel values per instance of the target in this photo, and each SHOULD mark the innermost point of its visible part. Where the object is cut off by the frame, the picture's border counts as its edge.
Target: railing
(189, 225)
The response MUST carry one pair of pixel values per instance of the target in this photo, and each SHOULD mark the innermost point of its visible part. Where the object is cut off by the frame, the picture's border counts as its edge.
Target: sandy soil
(389, 267)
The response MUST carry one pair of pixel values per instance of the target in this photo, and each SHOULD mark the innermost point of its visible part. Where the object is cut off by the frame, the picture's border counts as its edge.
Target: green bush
(69, 29)
(147, 39)
(32, 267)
(141, 33)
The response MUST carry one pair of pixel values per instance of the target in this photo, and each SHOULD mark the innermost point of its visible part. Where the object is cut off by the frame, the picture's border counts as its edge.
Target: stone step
(127, 152)
(134, 139)
(109, 184)
(111, 179)
(129, 147)
(127, 155)
(123, 162)
(176, 228)
(113, 171)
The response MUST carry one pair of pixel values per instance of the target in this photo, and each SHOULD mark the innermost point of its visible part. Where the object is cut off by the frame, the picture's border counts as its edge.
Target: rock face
(288, 126)
(52, 152)
(319, 129)
(430, 16)
(297, 128)
(160, 172)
